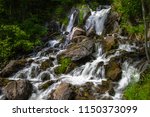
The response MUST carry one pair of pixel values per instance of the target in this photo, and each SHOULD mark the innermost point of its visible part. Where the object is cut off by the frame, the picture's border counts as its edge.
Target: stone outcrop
(113, 71)
(62, 92)
(18, 90)
(78, 51)
(109, 43)
(112, 23)
(77, 32)
(12, 67)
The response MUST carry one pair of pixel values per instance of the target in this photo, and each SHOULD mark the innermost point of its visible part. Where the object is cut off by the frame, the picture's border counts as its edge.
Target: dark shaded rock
(12, 67)
(46, 84)
(4, 82)
(78, 39)
(18, 90)
(84, 92)
(78, 51)
(113, 71)
(110, 43)
(46, 64)
(62, 92)
(106, 86)
(35, 70)
(45, 76)
(112, 23)
(53, 27)
(91, 32)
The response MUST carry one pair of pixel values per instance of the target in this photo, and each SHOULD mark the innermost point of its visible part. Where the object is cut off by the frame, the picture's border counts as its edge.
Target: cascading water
(97, 20)
(93, 71)
(72, 21)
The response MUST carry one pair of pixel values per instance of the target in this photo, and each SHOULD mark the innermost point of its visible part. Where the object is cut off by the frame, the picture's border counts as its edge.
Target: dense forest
(27, 25)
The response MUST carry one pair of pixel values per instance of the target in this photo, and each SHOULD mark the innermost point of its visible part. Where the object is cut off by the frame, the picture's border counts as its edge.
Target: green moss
(45, 85)
(140, 90)
(4, 82)
(64, 64)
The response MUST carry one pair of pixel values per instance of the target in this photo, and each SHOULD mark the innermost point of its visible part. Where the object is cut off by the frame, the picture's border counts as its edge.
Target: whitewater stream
(89, 72)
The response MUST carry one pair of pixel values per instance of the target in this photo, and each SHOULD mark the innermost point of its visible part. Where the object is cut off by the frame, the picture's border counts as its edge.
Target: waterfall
(129, 74)
(97, 20)
(91, 72)
(72, 20)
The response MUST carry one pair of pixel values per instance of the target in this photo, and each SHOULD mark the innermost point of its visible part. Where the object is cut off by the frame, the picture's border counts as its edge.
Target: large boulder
(78, 51)
(84, 92)
(12, 67)
(112, 23)
(4, 82)
(109, 43)
(78, 39)
(18, 90)
(62, 92)
(89, 91)
(113, 71)
(77, 32)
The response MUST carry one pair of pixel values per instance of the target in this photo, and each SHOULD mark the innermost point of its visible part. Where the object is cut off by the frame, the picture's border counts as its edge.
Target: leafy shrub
(32, 27)
(14, 41)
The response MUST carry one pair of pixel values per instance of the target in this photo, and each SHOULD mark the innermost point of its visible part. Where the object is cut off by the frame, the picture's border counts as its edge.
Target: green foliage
(64, 63)
(138, 29)
(131, 15)
(140, 90)
(33, 28)
(14, 41)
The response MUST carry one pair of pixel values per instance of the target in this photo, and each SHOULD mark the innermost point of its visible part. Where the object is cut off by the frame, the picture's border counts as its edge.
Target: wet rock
(12, 67)
(106, 98)
(78, 39)
(77, 32)
(78, 51)
(35, 70)
(18, 90)
(45, 76)
(46, 64)
(84, 92)
(62, 92)
(112, 23)
(91, 32)
(45, 85)
(113, 71)
(106, 87)
(110, 43)
(4, 82)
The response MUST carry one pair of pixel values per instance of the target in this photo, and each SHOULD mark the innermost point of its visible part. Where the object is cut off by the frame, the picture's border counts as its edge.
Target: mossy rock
(46, 64)
(12, 67)
(45, 76)
(46, 84)
(113, 71)
(78, 51)
(110, 43)
(84, 92)
(4, 82)
(62, 92)
(66, 65)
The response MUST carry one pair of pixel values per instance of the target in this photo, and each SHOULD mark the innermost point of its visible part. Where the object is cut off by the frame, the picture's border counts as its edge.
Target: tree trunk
(145, 31)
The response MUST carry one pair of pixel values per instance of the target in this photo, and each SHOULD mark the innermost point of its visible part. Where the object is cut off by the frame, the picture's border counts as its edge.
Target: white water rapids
(89, 72)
